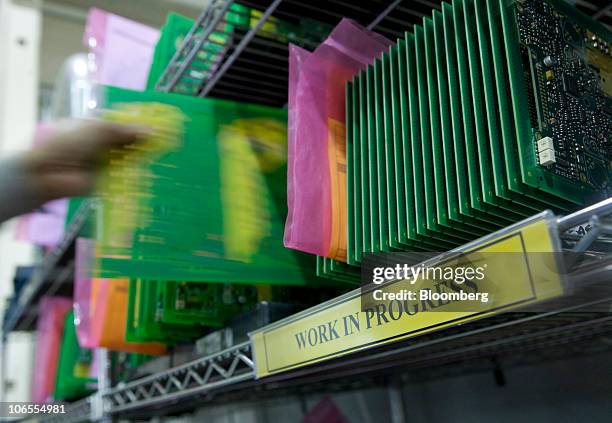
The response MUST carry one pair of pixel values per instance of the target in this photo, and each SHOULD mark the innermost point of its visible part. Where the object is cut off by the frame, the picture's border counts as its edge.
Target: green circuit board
(567, 70)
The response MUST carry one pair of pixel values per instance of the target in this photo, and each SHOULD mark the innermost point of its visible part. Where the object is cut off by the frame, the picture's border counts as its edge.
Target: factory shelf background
(576, 324)
(492, 344)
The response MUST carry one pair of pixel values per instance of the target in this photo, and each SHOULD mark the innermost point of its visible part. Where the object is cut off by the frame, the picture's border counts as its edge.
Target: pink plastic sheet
(45, 227)
(82, 291)
(316, 196)
(49, 331)
(122, 49)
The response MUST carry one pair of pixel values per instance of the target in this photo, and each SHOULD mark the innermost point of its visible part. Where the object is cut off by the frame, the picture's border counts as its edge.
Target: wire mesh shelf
(239, 55)
(578, 322)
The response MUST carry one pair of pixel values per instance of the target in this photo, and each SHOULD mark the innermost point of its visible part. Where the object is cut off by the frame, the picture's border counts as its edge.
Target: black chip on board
(608, 107)
(570, 85)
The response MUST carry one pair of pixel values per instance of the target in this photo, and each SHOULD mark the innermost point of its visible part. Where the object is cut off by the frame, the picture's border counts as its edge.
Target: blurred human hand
(67, 163)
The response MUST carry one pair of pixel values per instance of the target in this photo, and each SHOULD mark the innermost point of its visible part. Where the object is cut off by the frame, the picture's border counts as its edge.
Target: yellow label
(343, 326)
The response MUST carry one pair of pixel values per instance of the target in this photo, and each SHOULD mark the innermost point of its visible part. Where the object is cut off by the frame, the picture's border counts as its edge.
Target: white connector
(547, 157)
(546, 151)
(545, 144)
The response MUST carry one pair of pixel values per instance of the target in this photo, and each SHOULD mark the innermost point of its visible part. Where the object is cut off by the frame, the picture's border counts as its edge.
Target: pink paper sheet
(82, 291)
(122, 48)
(49, 331)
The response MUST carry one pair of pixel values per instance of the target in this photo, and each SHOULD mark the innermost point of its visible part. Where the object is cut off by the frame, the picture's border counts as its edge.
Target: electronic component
(547, 157)
(545, 144)
(570, 85)
(570, 94)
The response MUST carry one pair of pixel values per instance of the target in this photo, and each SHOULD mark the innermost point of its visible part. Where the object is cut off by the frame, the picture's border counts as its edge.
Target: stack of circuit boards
(211, 49)
(173, 312)
(172, 36)
(338, 271)
(487, 113)
(208, 205)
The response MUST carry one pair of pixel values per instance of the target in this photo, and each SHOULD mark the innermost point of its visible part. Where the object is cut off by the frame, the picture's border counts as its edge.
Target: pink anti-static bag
(122, 49)
(316, 171)
(49, 332)
(84, 253)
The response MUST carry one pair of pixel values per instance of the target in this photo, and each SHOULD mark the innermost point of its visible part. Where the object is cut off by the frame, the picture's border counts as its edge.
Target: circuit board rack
(483, 345)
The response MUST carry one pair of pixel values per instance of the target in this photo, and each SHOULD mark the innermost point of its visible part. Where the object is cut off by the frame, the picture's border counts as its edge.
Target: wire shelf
(251, 63)
(575, 323)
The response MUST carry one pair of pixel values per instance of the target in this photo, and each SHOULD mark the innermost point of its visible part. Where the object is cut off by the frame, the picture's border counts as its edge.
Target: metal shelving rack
(579, 321)
(254, 68)
(205, 374)
(250, 56)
